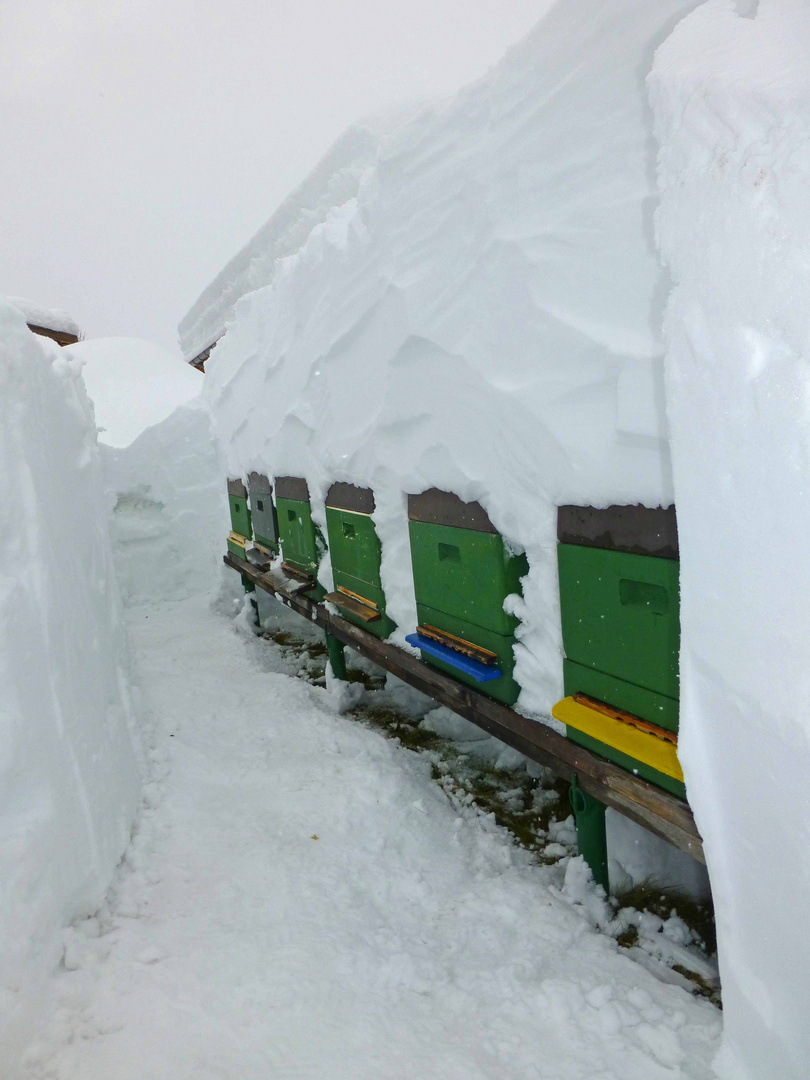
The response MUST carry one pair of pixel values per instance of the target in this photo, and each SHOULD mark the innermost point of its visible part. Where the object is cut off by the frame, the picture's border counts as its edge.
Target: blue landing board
(480, 672)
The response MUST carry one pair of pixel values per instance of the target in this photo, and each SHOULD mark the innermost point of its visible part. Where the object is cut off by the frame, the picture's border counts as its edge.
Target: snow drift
(483, 316)
(68, 771)
(168, 511)
(334, 180)
(731, 99)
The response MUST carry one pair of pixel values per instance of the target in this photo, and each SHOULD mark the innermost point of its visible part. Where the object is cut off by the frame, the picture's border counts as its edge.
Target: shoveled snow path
(301, 900)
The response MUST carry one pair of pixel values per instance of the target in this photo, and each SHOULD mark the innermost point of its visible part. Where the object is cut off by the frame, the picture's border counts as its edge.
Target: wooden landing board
(357, 608)
(655, 809)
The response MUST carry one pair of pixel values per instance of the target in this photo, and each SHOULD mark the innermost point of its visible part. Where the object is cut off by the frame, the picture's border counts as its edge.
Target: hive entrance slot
(626, 718)
(654, 598)
(450, 641)
(449, 553)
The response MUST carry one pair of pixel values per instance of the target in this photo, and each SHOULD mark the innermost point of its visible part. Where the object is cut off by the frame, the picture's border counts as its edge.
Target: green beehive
(619, 608)
(240, 511)
(356, 552)
(462, 573)
(263, 511)
(241, 530)
(302, 544)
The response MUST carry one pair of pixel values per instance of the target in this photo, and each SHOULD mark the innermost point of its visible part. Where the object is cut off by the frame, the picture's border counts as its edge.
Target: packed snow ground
(301, 899)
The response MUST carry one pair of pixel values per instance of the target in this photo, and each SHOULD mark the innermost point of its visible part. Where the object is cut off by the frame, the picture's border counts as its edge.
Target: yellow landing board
(640, 745)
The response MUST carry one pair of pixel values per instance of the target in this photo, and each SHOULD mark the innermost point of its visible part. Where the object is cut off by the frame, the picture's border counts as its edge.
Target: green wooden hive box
(302, 543)
(462, 573)
(619, 606)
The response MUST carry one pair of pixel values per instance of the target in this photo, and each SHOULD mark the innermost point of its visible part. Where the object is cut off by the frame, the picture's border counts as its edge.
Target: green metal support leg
(589, 815)
(337, 660)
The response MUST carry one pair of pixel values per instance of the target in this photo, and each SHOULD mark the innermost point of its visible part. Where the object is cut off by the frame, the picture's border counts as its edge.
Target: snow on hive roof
(333, 181)
(47, 318)
(483, 317)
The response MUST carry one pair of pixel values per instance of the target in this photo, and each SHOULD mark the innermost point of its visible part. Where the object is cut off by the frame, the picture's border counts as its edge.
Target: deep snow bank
(169, 513)
(732, 104)
(68, 775)
(483, 316)
(133, 384)
(334, 180)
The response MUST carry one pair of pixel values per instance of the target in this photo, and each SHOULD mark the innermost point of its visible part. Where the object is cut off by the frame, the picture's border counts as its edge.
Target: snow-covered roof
(47, 318)
(334, 181)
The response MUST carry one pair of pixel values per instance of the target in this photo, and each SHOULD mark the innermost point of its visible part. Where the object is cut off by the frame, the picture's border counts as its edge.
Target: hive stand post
(589, 815)
(337, 660)
(254, 603)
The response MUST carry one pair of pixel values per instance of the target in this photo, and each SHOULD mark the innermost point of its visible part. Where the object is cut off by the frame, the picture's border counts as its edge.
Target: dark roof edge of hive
(435, 507)
(343, 496)
(259, 482)
(199, 360)
(237, 488)
(638, 530)
(61, 337)
(292, 487)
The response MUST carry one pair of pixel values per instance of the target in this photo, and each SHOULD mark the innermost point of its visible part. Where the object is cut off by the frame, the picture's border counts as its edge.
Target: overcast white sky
(144, 141)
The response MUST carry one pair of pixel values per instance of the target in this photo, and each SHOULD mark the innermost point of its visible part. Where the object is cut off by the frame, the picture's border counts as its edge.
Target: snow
(335, 179)
(48, 318)
(169, 513)
(133, 384)
(482, 316)
(730, 96)
(68, 749)
(301, 899)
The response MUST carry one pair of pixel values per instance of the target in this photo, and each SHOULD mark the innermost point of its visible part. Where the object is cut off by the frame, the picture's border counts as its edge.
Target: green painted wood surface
(301, 542)
(354, 545)
(504, 689)
(465, 573)
(657, 708)
(620, 615)
(240, 516)
(383, 626)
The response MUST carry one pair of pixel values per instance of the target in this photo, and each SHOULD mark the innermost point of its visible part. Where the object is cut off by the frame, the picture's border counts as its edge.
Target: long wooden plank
(655, 809)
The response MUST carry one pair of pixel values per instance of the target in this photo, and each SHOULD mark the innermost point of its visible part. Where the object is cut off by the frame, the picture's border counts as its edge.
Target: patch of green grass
(662, 900)
(370, 682)
(702, 988)
(396, 725)
(628, 938)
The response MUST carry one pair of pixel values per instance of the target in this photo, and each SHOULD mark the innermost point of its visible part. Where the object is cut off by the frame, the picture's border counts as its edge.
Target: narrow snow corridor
(301, 900)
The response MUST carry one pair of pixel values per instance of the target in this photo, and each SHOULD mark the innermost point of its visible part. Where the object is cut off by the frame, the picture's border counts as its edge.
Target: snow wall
(334, 180)
(169, 511)
(483, 316)
(732, 103)
(69, 778)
